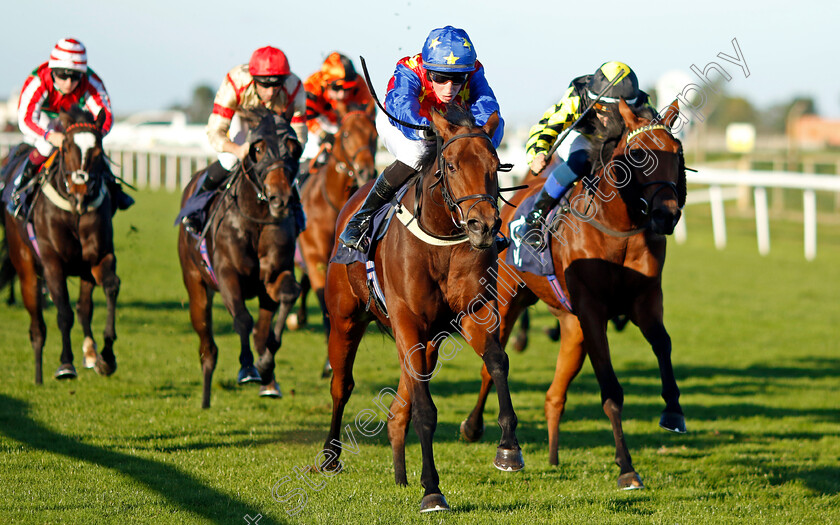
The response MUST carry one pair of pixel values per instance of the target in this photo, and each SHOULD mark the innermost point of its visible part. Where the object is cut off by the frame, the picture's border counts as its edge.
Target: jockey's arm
(544, 133)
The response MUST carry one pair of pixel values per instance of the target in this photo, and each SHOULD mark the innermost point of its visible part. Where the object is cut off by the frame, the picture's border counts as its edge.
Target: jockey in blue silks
(445, 72)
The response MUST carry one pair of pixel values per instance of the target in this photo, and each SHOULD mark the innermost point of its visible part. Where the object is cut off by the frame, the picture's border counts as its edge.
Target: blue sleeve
(403, 101)
(483, 103)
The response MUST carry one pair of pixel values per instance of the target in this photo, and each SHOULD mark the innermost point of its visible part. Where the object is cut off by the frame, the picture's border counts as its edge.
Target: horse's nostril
(476, 226)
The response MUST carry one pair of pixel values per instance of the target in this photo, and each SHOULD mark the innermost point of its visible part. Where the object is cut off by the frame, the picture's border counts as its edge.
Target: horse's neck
(435, 216)
(603, 202)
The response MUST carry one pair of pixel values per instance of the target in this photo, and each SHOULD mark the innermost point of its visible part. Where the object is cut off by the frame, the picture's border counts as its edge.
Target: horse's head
(653, 166)
(468, 166)
(355, 147)
(82, 159)
(272, 161)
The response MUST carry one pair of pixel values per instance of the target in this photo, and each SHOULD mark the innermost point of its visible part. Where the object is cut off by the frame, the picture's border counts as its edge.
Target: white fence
(730, 184)
(171, 168)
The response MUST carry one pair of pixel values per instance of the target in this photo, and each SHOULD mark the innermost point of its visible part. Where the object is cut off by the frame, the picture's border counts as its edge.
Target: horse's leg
(57, 283)
(398, 420)
(593, 323)
(647, 313)
(105, 274)
(327, 370)
(569, 362)
(283, 292)
(412, 344)
(299, 321)
(201, 316)
(243, 323)
(486, 344)
(344, 342)
(520, 340)
(30, 292)
(84, 312)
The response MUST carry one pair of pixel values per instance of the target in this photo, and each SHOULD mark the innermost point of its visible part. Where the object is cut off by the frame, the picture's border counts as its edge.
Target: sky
(153, 54)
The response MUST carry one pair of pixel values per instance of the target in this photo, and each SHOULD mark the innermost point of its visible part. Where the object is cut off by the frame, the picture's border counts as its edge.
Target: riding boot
(121, 200)
(25, 174)
(535, 219)
(216, 175)
(354, 235)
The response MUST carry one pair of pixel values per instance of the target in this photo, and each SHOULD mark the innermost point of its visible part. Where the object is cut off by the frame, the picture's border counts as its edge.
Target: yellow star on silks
(434, 43)
(451, 59)
(423, 94)
(467, 43)
(464, 95)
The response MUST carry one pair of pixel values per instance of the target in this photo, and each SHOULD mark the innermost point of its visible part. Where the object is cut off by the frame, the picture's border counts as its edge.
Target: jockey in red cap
(266, 80)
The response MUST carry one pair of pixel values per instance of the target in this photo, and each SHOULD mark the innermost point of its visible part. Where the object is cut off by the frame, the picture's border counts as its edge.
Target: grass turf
(755, 353)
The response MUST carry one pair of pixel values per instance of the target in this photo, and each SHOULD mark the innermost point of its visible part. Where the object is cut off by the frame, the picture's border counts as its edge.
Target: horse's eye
(637, 155)
(450, 167)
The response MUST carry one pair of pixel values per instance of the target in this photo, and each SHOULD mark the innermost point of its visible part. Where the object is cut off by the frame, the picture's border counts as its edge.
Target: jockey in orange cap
(330, 92)
(266, 80)
(58, 84)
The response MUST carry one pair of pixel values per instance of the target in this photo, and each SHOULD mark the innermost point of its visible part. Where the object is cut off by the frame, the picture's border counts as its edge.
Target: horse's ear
(492, 123)
(626, 113)
(671, 113)
(370, 109)
(65, 119)
(100, 120)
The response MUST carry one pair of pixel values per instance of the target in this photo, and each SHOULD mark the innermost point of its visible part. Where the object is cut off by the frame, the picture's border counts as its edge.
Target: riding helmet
(448, 49)
(268, 62)
(627, 85)
(69, 53)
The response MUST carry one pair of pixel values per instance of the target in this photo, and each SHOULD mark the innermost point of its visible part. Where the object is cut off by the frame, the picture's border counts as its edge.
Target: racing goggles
(442, 78)
(64, 74)
(270, 81)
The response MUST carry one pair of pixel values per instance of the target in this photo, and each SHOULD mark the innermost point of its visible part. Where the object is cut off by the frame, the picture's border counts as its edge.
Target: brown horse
(608, 263)
(70, 233)
(351, 164)
(433, 273)
(250, 244)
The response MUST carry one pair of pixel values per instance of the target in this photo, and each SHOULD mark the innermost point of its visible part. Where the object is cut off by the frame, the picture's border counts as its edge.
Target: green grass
(755, 352)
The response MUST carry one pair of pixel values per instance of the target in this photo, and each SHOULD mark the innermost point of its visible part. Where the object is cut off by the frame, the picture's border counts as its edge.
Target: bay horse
(350, 165)
(433, 273)
(68, 232)
(609, 263)
(248, 251)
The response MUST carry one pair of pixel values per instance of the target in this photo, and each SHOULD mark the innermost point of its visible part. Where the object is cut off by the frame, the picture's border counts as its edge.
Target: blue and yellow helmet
(449, 49)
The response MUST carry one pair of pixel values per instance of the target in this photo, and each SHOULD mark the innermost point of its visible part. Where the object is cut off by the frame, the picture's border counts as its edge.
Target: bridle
(347, 164)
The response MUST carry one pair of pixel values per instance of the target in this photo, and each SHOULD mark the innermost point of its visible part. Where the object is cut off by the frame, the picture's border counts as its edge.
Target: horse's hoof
(470, 436)
(520, 343)
(292, 322)
(271, 390)
(105, 368)
(673, 422)
(89, 350)
(326, 373)
(433, 503)
(248, 374)
(66, 371)
(630, 481)
(509, 460)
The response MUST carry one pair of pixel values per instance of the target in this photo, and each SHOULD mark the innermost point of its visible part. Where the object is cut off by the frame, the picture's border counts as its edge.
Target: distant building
(814, 132)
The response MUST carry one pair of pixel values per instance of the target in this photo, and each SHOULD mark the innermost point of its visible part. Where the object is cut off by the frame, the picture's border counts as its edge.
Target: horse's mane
(79, 115)
(457, 115)
(604, 139)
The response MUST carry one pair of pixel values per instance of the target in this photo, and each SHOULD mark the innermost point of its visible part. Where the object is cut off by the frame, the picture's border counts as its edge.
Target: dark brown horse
(250, 244)
(608, 266)
(70, 234)
(433, 273)
(351, 164)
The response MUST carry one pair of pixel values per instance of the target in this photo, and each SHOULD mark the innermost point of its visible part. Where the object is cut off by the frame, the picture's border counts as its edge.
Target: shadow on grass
(178, 488)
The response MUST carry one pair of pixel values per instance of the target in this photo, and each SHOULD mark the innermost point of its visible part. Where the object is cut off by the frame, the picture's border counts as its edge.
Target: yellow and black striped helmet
(627, 86)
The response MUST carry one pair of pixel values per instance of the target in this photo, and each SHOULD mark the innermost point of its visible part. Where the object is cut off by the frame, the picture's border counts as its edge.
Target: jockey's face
(336, 94)
(446, 92)
(66, 85)
(267, 93)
